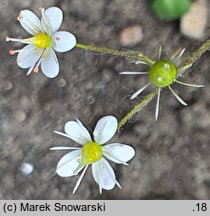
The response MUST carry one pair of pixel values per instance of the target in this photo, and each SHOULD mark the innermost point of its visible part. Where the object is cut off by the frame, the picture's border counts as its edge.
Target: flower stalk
(138, 56)
(137, 108)
(195, 55)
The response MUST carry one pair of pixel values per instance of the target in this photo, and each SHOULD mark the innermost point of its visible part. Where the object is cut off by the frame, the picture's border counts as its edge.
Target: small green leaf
(171, 9)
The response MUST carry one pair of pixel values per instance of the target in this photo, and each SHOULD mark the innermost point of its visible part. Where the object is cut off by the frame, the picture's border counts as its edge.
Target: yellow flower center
(42, 41)
(91, 152)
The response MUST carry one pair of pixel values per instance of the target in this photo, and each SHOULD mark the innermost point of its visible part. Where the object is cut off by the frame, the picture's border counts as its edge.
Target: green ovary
(91, 152)
(163, 73)
(42, 41)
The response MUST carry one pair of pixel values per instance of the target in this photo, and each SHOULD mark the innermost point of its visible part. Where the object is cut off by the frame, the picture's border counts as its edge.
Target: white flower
(46, 38)
(93, 152)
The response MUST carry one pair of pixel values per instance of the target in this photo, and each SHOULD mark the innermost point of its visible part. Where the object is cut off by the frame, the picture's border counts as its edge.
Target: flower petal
(103, 175)
(55, 17)
(69, 163)
(77, 132)
(119, 153)
(64, 41)
(28, 56)
(30, 22)
(105, 129)
(50, 64)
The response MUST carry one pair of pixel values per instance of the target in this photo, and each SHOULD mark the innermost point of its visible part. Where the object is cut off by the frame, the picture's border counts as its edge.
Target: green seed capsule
(163, 73)
(170, 9)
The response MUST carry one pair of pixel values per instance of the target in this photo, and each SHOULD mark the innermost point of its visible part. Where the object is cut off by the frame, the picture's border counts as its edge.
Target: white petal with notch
(28, 56)
(49, 63)
(69, 163)
(118, 153)
(103, 175)
(77, 132)
(55, 17)
(105, 129)
(30, 22)
(63, 41)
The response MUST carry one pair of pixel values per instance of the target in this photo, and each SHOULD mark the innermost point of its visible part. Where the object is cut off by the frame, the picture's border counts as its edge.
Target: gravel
(172, 155)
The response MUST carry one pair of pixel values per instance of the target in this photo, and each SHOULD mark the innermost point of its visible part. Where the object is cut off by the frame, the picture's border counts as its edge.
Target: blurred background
(172, 155)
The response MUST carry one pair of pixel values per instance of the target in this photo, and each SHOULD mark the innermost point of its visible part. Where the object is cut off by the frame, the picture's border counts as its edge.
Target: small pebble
(20, 116)
(26, 168)
(76, 95)
(62, 82)
(7, 86)
(91, 99)
(193, 24)
(107, 75)
(131, 35)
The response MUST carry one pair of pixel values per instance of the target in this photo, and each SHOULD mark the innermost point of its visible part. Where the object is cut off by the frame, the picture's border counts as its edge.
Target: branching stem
(189, 62)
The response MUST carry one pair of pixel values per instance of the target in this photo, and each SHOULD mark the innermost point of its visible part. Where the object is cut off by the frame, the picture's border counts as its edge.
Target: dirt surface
(172, 156)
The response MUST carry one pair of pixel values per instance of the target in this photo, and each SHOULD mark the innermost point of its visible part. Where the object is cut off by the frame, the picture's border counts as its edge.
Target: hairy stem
(138, 56)
(195, 56)
(137, 108)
